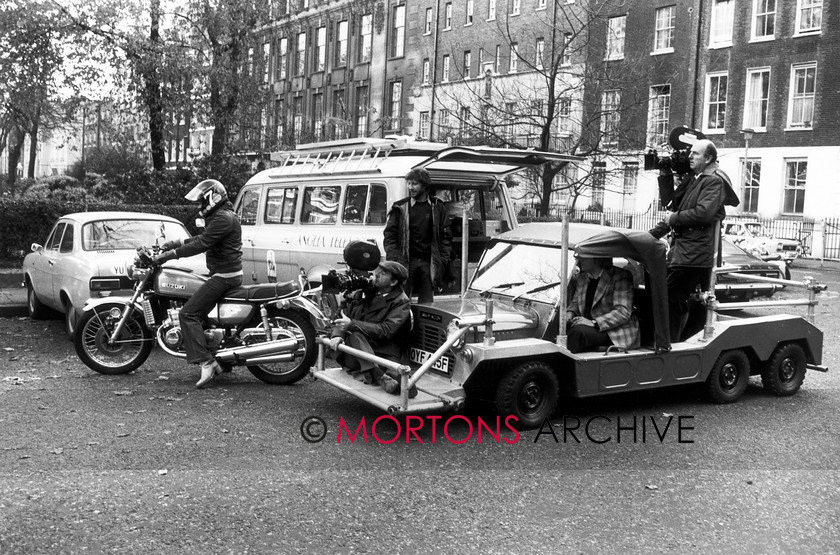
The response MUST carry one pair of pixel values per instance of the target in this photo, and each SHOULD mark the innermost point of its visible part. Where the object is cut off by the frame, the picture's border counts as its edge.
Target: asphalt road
(144, 463)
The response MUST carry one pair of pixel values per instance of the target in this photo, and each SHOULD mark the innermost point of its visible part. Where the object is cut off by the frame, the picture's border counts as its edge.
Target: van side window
(320, 205)
(247, 209)
(378, 205)
(355, 204)
(280, 204)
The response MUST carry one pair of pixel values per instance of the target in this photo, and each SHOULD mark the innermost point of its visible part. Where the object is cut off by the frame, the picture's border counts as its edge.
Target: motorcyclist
(221, 240)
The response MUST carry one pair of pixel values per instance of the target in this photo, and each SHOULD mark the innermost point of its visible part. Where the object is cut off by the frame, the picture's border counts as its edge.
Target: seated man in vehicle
(376, 320)
(601, 311)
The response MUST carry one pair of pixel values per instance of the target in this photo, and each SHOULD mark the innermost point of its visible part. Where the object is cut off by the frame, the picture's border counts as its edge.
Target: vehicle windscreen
(106, 235)
(523, 271)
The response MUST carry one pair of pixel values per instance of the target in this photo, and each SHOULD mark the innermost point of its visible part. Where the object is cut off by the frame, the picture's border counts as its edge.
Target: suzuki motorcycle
(269, 328)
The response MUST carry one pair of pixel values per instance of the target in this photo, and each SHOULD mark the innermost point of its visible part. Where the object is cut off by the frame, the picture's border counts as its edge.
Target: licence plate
(420, 356)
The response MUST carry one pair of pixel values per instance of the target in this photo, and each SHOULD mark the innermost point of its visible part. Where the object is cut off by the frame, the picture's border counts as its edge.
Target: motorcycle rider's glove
(170, 245)
(164, 256)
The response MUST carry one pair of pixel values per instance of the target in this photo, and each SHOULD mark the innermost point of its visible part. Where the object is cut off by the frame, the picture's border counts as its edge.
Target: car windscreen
(106, 235)
(520, 270)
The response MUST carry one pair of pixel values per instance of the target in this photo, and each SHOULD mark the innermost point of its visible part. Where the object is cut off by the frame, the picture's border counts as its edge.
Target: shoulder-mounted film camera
(361, 258)
(681, 139)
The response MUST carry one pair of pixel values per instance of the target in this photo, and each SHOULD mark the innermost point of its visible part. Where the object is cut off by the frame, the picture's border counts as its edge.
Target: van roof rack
(346, 155)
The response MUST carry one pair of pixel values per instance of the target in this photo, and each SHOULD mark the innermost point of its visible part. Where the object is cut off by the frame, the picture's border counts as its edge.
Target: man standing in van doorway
(417, 235)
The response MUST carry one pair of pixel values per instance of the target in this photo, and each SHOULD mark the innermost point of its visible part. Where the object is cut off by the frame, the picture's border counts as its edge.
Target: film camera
(681, 139)
(361, 258)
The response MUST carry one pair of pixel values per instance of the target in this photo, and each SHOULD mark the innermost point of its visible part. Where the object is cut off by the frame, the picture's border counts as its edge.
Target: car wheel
(529, 392)
(37, 310)
(784, 372)
(729, 377)
(70, 319)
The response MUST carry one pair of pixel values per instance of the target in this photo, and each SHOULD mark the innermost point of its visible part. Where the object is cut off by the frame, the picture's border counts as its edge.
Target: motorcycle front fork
(126, 314)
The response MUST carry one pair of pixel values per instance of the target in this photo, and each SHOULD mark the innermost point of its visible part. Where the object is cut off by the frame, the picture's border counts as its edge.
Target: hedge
(23, 222)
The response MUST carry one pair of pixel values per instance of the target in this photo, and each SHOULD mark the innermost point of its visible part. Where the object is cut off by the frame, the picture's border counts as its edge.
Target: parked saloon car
(86, 254)
(729, 289)
(754, 238)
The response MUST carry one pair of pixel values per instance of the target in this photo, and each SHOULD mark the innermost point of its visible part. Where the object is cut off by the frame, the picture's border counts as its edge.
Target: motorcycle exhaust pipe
(287, 357)
(268, 348)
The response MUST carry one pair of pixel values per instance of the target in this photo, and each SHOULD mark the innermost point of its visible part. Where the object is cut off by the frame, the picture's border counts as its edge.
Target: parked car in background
(753, 237)
(86, 255)
(729, 289)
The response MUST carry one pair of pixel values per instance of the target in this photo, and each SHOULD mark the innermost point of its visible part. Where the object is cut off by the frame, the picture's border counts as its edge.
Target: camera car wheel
(529, 392)
(37, 310)
(289, 323)
(90, 339)
(784, 372)
(729, 377)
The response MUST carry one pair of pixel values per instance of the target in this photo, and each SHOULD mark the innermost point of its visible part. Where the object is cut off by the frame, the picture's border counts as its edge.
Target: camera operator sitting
(376, 320)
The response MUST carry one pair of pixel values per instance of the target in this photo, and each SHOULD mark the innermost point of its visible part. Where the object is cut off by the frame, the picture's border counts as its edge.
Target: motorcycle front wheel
(127, 353)
(289, 323)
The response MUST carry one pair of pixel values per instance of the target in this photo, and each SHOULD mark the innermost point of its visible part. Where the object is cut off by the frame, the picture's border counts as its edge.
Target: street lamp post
(748, 133)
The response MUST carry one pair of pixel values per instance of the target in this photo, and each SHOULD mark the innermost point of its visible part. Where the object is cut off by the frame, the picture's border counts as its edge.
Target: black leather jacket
(221, 240)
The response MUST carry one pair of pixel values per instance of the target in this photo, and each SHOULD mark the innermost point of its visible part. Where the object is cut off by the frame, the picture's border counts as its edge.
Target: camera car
(503, 340)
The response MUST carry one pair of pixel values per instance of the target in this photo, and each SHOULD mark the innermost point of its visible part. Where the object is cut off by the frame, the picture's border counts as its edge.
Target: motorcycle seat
(263, 291)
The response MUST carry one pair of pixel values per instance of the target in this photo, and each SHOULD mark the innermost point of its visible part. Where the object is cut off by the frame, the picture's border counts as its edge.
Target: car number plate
(420, 356)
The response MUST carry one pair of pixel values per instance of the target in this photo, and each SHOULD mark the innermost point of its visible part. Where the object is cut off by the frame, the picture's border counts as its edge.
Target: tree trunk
(153, 96)
(15, 148)
(33, 143)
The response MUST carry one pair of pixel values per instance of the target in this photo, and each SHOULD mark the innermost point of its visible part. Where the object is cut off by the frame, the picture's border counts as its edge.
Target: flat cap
(396, 270)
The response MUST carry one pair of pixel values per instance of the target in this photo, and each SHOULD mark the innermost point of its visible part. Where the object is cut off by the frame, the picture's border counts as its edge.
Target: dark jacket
(221, 240)
(396, 237)
(698, 211)
(384, 320)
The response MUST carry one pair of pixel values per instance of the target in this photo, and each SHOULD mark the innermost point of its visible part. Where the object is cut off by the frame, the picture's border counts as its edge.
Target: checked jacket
(612, 306)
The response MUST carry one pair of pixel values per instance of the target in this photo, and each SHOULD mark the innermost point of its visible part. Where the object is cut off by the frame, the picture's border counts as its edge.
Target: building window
(764, 21)
(297, 106)
(444, 126)
(250, 66)
(341, 44)
(282, 59)
(467, 63)
(663, 40)
(266, 66)
(599, 182)
(566, 56)
(610, 116)
(279, 121)
(564, 116)
(398, 32)
(541, 4)
(808, 16)
(491, 10)
(427, 68)
(300, 54)
(427, 28)
(321, 49)
(470, 9)
(339, 115)
(615, 37)
(716, 87)
(361, 111)
(366, 38)
(318, 116)
(540, 49)
(425, 122)
(514, 57)
(395, 105)
(749, 192)
(497, 60)
(803, 80)
(515, 7)
(446, 68)
(758, 99)
(447, 16)
(659, 115)
(631, 182)
(464, 119)
(796, 175)
(723, 17)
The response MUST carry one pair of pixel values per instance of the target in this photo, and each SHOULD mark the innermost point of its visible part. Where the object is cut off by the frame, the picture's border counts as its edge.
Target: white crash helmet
(210, 193)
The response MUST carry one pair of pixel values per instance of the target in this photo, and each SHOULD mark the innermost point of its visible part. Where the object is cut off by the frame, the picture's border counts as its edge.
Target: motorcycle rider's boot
(208, 370)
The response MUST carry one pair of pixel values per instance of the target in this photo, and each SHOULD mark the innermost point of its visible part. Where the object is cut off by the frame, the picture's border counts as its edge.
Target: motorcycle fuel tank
(172, 282)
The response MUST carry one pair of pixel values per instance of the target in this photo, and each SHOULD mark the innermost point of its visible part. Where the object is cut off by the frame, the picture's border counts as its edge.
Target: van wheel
(37, 309)
(783, 374)
(529, 392)
(729, 378)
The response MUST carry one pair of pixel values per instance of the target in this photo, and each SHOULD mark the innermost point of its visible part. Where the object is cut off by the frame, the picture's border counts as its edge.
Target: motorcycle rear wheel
(285, 373)
(93, 330)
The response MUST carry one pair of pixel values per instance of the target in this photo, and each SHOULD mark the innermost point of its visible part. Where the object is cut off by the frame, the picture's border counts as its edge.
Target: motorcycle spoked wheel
(131, 349)
(288, 323)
